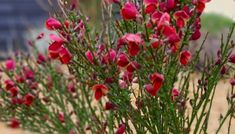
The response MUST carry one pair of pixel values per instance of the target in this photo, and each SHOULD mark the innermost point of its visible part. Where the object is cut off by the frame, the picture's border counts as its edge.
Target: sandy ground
(227, 8)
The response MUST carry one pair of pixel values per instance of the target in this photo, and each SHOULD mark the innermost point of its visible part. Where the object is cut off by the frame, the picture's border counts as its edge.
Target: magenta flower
(52, 24)
(129, 11)
(10, 64)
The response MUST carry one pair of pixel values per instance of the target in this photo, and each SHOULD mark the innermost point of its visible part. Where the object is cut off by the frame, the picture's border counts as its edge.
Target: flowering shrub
(133, 77)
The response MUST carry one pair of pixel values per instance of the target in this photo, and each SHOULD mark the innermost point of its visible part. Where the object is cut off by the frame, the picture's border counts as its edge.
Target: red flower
(10, 64)
(41, 58)
(185, 57)
(223, 70)
(155, 17)
(121, 129)
(127, 76)
(156, 83)
(28, 73)
(157, 80)
(110, 106)
(52, 24)
(196, 35)
(61, 117)
(170, 33)
(122, 60)
(9, 84)
(71, 87)
(171, 4)
(20, 79)
(232, 81)
(14, 123)
(33, 85)
(133, 66)
(232, 58)
(149, 88)
(100, 90)
(133, 41)
(129, 11)
(150, 6)
(14, 91)
(16, 101)
(181, 18)
(174, 93)
(28, 99)
(155, 43)
(65, 56)
(54, 50)
(89, 56)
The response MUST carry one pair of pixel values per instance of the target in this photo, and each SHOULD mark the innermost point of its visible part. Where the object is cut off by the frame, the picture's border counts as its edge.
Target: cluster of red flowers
(166, 19)
(11, 85)
(58, 49)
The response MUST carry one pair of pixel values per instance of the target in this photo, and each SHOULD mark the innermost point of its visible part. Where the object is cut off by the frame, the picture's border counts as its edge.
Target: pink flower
(89, 56)
(10, 64)
(164, 20)
(110, 56)
(121, 129)
(122, 84)
(100, 90)
(52, 24)
(185, 57)
(129, 11)
(61, 117)
(71, 87)
(127, 76)
(56, 38)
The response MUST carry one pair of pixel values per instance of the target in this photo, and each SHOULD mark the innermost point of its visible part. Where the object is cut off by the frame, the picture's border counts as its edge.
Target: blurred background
(22, 20)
